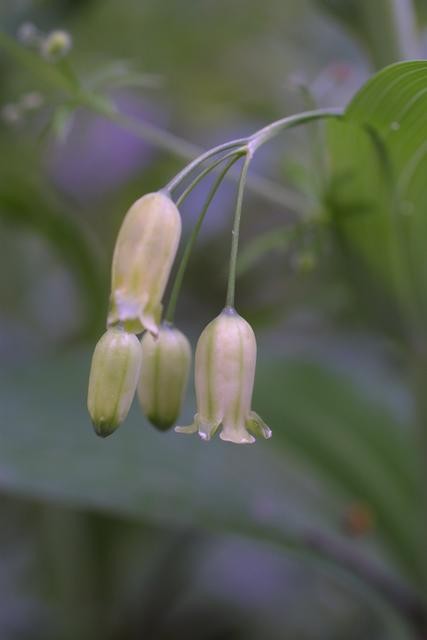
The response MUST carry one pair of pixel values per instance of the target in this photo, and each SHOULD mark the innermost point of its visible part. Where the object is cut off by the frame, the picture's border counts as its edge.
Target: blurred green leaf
(61, 122)
(356, 445)
(48, 74)
(381, 150)
(122, 73)
(48, 450)
(23, 203)
(274, 240)
(398, 38)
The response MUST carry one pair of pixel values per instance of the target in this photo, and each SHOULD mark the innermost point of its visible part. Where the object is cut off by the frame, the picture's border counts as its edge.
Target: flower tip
(160, 424)
(103, 429)
(244, 439)
(256, 425)
(191, 428)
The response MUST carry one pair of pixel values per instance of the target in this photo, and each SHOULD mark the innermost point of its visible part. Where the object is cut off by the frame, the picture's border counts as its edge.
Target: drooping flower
(145, 250)
(113, 379)
(224, 378)
(164, 374)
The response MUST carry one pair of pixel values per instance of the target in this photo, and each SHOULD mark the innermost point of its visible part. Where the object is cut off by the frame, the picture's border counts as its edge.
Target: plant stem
(176, 287)
(231, 286)
(275, 128)
(263, 187)
(204, 156)
(202, 174)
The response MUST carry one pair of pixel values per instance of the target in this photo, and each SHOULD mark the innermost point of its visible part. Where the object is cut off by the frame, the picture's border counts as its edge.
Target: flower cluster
(157, 366)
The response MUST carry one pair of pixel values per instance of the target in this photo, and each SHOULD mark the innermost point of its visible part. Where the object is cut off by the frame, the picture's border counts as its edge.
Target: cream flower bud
(225, 371)
(164, 374)
(113, 379)
(56, 45)
(145, 250)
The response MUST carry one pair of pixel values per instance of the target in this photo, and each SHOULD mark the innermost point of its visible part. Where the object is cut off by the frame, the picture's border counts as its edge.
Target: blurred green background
(318, 533)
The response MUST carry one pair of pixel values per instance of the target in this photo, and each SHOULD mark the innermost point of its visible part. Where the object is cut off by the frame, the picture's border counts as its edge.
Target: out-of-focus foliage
(379, 162)
(398, 36)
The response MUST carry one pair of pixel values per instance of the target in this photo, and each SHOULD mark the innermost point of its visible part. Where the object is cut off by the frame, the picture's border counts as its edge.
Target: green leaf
(47, 73)
(262, 244)
(48, 450)
(23, 203)
(377, 196)
(356, 445)
(122, 73)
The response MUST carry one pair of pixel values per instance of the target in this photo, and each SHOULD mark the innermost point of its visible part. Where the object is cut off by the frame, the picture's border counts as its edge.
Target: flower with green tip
(145, 250)
(56, 45)
(164, 373)
(113, 379)
(224, 378)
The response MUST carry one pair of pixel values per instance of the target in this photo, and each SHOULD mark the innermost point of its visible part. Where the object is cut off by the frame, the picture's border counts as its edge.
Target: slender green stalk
(164, 140)
(255, 140)
(204, 156)
(176, 287)
(202, 174)
(171, 143)
(231, 286)
(275, 128)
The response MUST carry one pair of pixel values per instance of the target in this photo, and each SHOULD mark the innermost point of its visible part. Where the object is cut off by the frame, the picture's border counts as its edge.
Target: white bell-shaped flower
(145, 250)
(224, 378)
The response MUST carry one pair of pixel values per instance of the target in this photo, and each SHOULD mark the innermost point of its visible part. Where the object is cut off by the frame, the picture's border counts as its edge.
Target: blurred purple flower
(98, 155)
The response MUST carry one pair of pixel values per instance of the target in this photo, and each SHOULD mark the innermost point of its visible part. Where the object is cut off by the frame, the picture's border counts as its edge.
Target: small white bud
(56, 45)
(113, 378)
(164, 374)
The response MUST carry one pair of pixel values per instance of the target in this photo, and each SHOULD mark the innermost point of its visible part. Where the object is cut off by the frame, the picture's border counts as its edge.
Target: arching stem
(231, 286)
(176, 287)
(233, 144)
(235, 153)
